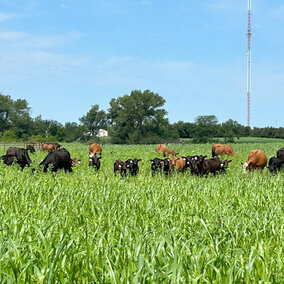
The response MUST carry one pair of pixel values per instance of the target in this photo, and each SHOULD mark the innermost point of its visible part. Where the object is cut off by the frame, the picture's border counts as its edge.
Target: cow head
(156, 163)
(94, 161)
(225, 164)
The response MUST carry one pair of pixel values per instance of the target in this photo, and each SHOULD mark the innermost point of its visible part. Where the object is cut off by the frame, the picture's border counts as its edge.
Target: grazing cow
(75, 161)
(256, 160)
(95, 161)
(180, 164)
(8, 159)
(280, 154)
(50, 147)
(59, 159)
(161, 149)
(168, 152)
(221, 149)
(119, 166)
(95, 149)
(132, 166)
(21, 155)
(156, 165)
(31, 149)
(214, 165)
(275, 164)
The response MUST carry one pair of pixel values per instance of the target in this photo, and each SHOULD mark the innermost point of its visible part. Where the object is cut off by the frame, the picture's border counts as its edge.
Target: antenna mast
(248, 63)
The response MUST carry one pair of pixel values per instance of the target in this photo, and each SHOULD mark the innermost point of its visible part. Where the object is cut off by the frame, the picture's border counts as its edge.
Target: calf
(168, 152)
(95, 161)
(21, 155)
(132, 166)
(212, 166)
(180, 164)
(167, 166)
(59, 159)
(156, 165)
(197, 164)
(119, 166)
(275, 164)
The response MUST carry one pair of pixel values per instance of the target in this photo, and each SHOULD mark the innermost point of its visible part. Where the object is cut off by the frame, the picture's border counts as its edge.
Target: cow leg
(214, 154)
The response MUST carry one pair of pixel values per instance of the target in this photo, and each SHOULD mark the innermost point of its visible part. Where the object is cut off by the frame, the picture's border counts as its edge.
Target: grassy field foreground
(89, 226)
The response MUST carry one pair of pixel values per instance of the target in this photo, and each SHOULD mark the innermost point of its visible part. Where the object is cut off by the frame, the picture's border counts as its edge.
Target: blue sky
(64, 56)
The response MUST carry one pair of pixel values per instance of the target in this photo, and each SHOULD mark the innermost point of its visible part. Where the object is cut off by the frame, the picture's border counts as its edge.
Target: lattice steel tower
(248, 63)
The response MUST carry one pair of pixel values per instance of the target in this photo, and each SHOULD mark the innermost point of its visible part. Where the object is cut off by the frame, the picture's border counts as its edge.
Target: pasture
(91, 226)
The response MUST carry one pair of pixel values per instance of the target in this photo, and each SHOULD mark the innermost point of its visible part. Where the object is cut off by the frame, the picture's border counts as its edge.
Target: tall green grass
(91, 226)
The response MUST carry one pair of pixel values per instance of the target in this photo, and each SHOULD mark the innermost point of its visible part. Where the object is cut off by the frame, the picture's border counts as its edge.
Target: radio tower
(248, 63)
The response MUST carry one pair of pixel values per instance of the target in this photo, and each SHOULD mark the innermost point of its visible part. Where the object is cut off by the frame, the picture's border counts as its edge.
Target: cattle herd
(197, 164)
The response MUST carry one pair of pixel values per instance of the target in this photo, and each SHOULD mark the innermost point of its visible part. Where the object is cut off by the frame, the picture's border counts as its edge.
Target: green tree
(94, 120)
(230, 129)
(139, 118)
(206, 128)
(15, 115)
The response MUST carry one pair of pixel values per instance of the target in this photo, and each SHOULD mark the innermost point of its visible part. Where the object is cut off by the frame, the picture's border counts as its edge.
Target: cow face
(94, 161)
(156, 164)
(225, 164)
(245, 167)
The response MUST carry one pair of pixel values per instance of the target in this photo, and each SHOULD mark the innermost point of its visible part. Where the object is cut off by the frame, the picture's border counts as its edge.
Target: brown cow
(50, 147)
(95, 149)
(180, 164)
(221, 149)
(172, 162)
(256, 160)
(161, 149)
(168, 152)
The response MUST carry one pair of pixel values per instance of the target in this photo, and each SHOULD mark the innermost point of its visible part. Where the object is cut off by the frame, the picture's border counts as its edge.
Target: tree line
(137, 118)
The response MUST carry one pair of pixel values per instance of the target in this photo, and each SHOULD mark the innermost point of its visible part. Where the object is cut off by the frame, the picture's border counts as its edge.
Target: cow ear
(229, 161)
(139, 160)
(242, 163)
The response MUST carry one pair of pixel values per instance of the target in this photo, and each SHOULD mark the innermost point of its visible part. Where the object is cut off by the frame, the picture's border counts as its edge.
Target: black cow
(156, 165)
(59, 159)
(280, 154)
(189, 163)
(31, 149)
(275, 164)
(132, 166)
(166, 167)
(214, 165)
(119, 166)
(21, 155)
(95, 161)
(197, 163)
(8, 159)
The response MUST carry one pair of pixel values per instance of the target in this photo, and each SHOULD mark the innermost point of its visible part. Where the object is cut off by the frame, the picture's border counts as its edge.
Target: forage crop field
(96, 227)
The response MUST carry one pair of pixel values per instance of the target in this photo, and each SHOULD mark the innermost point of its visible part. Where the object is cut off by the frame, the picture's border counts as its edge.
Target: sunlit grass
(95, 227)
